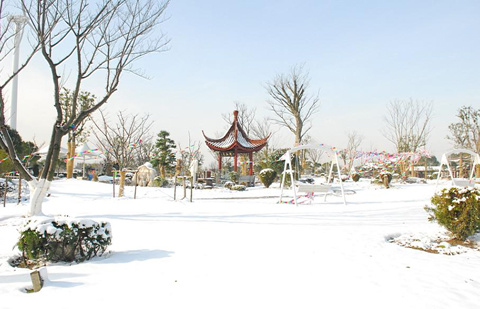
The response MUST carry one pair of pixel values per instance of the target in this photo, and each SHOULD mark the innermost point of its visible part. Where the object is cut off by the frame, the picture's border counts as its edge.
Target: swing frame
(288, 170)
(444, 161)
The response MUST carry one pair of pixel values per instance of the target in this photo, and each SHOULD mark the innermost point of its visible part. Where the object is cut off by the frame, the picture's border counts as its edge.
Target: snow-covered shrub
(238, 188)
(229, 184)
(458, 210)
(267, 176)
(63, 239)
(356, 177)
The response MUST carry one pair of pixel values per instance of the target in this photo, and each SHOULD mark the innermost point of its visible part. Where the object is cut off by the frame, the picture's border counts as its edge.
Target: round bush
(62, 239)
(458, 210)
(267, 176)
(356, 177)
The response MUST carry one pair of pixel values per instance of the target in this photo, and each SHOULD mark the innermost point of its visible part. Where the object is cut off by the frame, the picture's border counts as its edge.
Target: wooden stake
(191, 189)
(114, 177)
(175, 188)
(184, 188)
(5, 188)
(19, 189)
(37, 280)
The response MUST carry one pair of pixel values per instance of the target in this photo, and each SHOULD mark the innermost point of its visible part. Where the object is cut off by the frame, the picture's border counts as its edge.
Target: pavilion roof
(235, 139)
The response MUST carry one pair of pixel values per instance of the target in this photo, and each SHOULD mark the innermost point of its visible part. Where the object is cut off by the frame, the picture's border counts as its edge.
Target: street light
(19, 21)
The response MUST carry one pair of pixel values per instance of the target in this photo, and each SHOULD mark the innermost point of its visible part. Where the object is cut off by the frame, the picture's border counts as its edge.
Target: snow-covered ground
(243, 250)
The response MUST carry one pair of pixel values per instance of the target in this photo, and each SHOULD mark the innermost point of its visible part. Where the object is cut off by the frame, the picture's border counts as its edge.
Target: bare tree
(350, 153)
(261, 129)
(408, 124)
(408, 127)
(89, 39)
(188, 154)
(122, 141)
(315, 156)
(291, 103)
(466, 132)
(246, 116)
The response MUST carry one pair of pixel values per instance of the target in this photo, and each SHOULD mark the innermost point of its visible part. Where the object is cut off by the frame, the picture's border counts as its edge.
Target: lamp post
(19, 23)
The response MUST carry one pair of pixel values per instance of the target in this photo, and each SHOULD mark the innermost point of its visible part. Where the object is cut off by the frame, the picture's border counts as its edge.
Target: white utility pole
(19, 23)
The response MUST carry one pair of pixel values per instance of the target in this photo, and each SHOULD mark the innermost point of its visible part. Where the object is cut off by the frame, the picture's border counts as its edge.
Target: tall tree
(89, 39)
(85, 101)
(291, 102)
(165, 156)
(466, 133)
(408, 127)
(122, 140)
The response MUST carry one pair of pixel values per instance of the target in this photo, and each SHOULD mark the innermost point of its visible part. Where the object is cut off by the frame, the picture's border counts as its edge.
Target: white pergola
(444, 162)
(288, 168)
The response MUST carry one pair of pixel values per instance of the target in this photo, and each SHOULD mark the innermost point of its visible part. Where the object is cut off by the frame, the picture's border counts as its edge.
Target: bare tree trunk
(36, 199)
(70, 158)
(460, 164)
(121, 188)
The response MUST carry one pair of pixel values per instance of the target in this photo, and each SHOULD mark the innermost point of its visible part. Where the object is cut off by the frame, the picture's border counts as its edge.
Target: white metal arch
(288, 169)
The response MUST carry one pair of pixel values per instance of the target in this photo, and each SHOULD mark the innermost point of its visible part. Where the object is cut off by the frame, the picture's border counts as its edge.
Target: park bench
(311, 189)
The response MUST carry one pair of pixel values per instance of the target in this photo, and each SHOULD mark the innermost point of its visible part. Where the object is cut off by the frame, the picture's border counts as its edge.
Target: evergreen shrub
(63, 239)
(458, 210)
(267, 176)
(160, 182)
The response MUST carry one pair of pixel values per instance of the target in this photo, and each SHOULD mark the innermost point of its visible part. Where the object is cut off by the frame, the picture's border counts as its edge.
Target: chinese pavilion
(235, 142)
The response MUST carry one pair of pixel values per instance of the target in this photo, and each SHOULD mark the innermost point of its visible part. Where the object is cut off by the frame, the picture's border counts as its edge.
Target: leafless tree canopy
(466, 132)
(408, 124)
(353, 146)
(246, 116)
(122, 141)
(291, 103)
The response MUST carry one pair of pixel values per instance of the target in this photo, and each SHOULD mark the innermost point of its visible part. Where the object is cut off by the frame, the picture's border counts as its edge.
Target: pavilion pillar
(235, 165)
(250, 158)
(220, 163)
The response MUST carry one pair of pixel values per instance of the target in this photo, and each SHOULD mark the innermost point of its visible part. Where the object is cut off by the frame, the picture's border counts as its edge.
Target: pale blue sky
(360, 54)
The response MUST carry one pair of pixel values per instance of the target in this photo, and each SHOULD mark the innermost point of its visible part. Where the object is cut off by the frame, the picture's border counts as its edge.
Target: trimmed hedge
(267, 176)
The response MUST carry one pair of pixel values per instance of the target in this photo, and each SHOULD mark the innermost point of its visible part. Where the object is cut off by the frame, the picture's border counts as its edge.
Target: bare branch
(290, 102)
